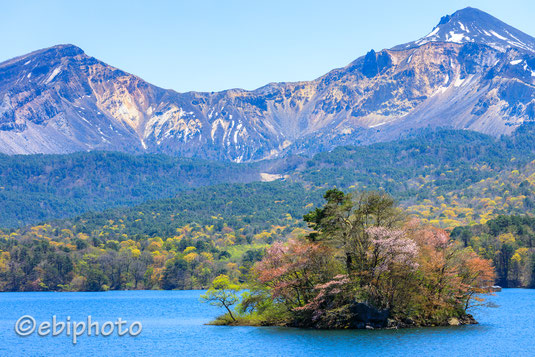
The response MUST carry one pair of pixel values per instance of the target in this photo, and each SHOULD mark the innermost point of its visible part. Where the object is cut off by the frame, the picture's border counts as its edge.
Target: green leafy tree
(222, 293)
(345, 218)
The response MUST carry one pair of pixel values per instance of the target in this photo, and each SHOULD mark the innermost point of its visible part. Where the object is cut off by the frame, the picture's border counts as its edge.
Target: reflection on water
(174, 324)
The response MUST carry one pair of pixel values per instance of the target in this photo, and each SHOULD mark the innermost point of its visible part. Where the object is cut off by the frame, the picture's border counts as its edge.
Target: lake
(173, 325)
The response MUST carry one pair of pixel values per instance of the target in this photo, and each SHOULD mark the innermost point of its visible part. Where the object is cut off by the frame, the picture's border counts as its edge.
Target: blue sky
(214, 45)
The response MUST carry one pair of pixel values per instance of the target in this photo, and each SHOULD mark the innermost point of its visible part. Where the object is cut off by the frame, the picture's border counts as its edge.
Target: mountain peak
(471, 15)
(67, 47)
(466, 13)
(473, 25)
(47, 54)
(61, 50)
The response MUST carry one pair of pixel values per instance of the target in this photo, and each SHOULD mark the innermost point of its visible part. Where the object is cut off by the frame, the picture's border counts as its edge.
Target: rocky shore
(357, 316)
(364, 316)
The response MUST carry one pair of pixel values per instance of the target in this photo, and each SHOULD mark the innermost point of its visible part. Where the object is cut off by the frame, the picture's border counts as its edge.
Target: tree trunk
(230, 312)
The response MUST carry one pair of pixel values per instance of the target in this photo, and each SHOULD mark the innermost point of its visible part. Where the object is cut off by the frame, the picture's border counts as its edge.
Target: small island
(364, 265)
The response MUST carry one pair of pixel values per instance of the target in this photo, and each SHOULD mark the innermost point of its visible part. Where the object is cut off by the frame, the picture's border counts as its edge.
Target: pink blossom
(392, 247)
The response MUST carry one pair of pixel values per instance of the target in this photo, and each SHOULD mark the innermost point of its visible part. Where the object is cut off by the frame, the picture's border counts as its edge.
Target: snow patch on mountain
(53, 75)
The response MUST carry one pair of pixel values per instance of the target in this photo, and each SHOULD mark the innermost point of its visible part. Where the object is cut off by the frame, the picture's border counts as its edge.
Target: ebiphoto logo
(27, 325)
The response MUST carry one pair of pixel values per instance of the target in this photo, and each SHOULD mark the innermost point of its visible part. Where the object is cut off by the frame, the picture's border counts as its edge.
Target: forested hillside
(446, 178)
(509, 242)
(175, 243)
(428, 165)
(430, 162)
(36, 188)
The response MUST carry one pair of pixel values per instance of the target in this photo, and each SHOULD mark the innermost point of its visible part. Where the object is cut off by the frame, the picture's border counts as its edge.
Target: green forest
(108, 221)
(35, 188)
(508, 241)
(179, 243)
(428, 165)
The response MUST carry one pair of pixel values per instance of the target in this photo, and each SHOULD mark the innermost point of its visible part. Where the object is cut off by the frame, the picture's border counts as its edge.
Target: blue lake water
(173, 325)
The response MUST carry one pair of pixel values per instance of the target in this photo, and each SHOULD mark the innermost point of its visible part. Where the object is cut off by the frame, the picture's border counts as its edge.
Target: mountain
(471, 72)
(473, 25)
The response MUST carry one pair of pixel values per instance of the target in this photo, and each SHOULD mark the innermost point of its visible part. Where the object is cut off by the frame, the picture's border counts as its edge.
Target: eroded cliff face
(471, 72)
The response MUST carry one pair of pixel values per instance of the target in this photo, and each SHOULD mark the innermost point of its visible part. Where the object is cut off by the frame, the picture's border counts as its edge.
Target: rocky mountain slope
(471, 72)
